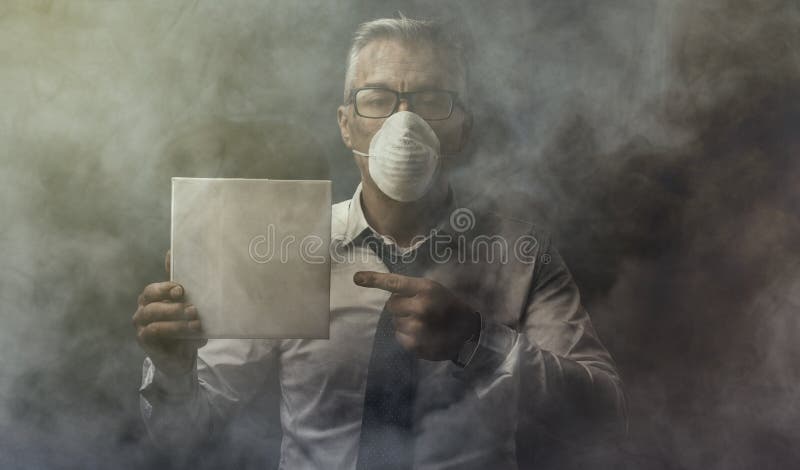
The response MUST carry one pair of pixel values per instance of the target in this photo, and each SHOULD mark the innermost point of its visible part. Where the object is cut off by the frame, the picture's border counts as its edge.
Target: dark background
(658, 139)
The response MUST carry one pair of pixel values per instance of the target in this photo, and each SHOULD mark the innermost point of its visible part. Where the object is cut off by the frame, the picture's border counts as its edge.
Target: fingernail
(176, 292)
(358, 278)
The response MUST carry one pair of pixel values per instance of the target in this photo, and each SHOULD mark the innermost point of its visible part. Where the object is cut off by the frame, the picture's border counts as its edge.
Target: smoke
(658, 138)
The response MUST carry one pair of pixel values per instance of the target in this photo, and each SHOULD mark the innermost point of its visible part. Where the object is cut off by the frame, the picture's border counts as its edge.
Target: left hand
(428, 318)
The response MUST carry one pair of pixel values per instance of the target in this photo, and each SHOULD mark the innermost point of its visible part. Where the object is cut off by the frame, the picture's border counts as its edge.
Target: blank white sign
(253, 255)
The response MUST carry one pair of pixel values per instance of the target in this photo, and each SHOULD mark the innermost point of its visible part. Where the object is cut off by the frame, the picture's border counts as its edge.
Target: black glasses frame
(403, 95)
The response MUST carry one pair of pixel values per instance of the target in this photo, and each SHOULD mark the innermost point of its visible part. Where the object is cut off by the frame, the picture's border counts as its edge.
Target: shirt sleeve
(181, 411)
(568, 382)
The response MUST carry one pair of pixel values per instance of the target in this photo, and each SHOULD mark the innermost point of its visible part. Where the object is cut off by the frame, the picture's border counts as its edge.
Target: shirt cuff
(495, 343)
(157, 385)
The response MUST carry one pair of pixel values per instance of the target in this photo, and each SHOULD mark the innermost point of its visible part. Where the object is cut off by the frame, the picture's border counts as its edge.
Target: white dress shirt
(537, 348)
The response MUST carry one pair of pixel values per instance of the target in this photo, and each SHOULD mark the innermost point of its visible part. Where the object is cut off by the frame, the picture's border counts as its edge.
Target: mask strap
(360, 153)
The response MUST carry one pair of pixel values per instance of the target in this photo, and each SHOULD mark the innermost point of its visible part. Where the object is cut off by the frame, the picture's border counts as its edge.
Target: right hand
(165, 325)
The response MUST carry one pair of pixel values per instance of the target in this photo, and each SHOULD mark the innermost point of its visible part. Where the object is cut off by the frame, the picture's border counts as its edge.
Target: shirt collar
(357, 223)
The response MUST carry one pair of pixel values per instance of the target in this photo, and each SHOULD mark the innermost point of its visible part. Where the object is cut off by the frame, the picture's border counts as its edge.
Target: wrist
(174, 384)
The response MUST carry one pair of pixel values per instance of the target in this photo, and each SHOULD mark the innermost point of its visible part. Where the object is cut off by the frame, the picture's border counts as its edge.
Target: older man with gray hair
(440, 354)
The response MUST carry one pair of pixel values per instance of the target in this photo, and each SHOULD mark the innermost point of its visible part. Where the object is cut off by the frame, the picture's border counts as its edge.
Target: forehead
(405, 66)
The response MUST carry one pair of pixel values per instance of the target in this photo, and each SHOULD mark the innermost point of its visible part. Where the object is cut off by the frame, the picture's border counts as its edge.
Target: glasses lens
(375, 103)
(432, 104)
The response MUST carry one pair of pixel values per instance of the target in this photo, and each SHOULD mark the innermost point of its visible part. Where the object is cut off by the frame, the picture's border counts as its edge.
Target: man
(441, 355)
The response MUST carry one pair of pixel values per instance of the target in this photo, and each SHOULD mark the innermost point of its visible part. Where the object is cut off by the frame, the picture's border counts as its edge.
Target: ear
(466, 130)
(344, 125)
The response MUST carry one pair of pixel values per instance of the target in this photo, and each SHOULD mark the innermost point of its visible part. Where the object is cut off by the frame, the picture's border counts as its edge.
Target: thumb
(168, 263)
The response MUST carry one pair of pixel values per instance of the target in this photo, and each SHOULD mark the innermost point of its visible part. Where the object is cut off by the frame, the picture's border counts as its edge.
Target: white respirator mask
(403, 156)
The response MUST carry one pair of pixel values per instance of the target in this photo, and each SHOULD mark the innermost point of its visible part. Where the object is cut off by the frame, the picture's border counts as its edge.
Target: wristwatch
(469, 348)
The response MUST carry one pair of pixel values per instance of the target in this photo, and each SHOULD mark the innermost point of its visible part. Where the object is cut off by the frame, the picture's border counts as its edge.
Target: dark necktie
(387, 425)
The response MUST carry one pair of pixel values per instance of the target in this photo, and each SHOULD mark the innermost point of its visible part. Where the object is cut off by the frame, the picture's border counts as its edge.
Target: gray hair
(405, 29)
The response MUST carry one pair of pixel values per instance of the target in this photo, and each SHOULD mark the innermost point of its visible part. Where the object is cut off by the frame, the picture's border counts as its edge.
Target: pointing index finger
(395, 283)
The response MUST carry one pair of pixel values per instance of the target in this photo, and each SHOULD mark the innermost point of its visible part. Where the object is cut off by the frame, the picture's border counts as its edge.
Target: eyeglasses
(375, 102)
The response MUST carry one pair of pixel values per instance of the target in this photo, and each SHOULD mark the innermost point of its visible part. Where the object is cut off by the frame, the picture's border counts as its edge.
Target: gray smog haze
(658, 139)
